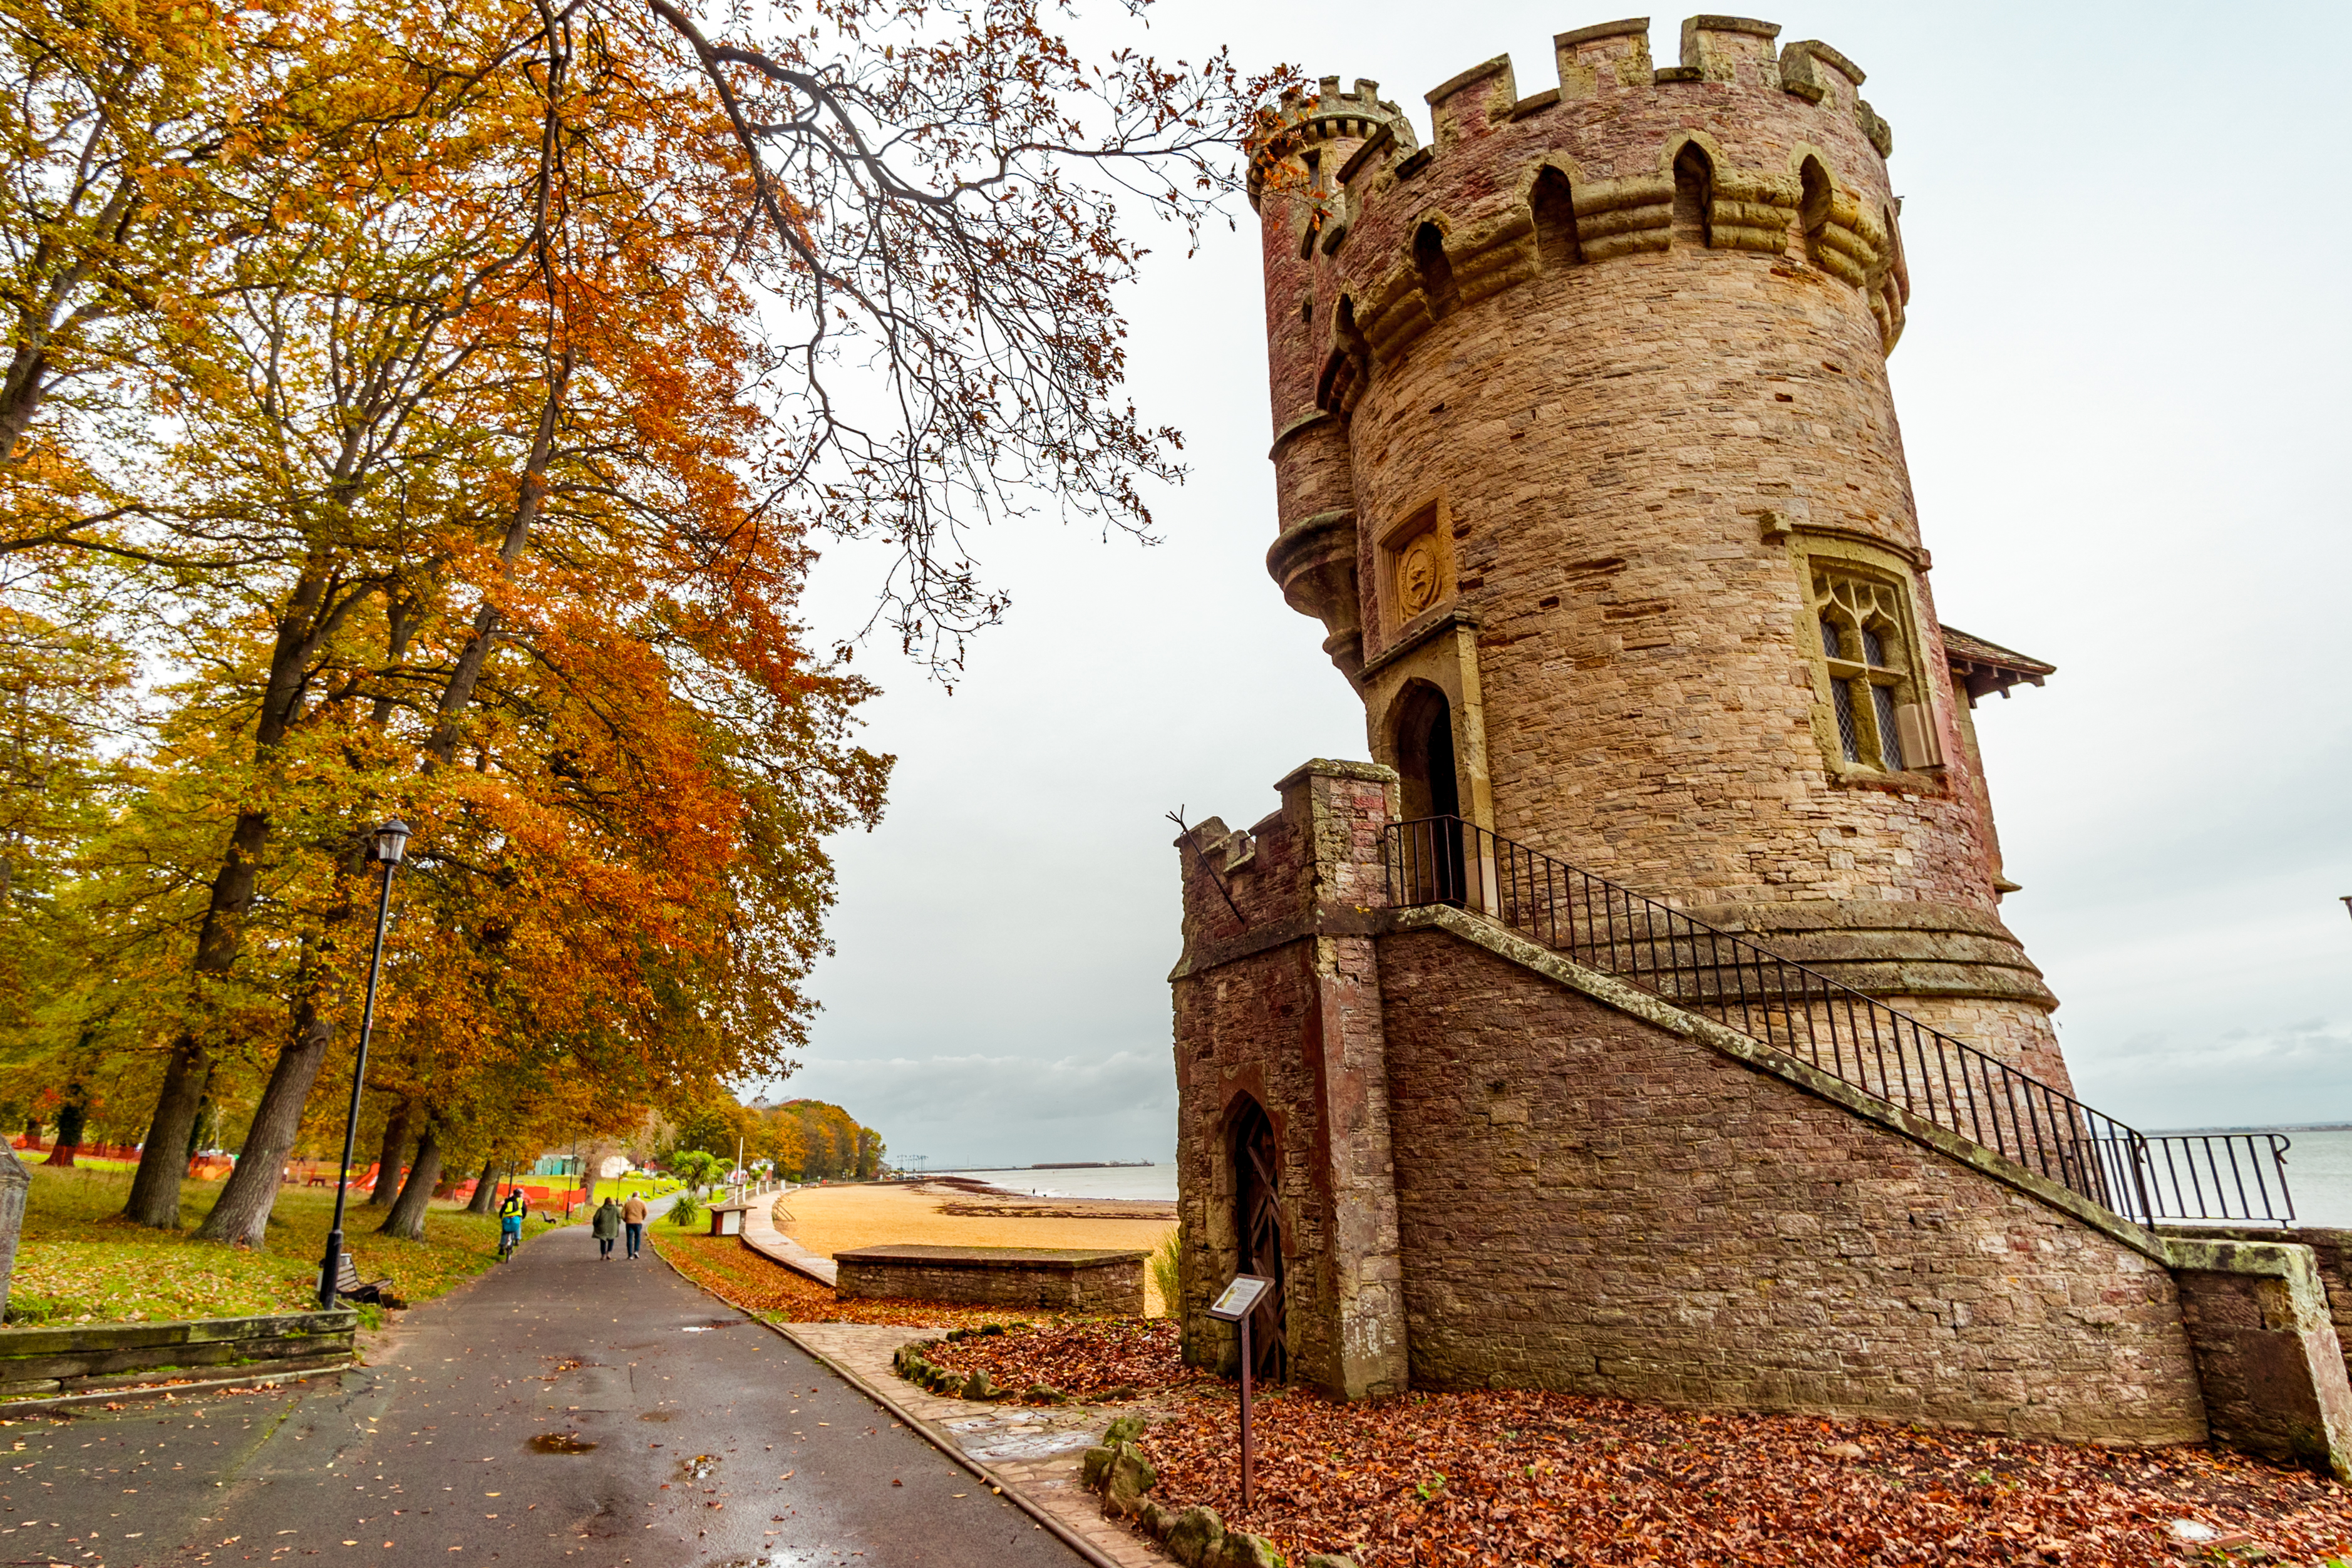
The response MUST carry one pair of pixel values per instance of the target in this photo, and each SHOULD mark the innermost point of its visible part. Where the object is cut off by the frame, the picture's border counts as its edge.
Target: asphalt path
(561, 1409)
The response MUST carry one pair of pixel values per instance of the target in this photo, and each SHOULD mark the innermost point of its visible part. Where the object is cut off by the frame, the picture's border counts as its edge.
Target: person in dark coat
(605, 1227)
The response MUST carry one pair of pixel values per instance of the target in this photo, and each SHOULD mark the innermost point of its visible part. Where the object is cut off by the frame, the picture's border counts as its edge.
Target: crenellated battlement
(1792, 161)
(1303, 122)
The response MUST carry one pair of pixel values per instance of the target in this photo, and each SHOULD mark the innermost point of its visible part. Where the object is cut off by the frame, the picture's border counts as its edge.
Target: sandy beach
(827, 1220)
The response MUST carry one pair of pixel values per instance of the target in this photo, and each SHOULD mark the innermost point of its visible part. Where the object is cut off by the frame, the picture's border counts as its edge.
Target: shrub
(1165, 1271)
(686, 1211)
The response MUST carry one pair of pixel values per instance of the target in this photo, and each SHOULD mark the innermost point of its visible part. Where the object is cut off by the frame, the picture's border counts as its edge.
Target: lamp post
(390, 840)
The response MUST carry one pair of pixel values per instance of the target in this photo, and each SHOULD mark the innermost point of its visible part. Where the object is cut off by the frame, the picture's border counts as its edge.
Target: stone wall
(37, 1362)
(1588, 1203)
(2331, 1253)
(1063, 1278)
(2271, 1365)
(1641, 429)
(1278, 1005)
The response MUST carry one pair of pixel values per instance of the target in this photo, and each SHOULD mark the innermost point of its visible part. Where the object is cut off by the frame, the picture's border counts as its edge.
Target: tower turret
(1586, 457)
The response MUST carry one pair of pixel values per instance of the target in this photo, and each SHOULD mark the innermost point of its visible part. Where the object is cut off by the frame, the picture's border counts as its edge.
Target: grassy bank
(80, 1264)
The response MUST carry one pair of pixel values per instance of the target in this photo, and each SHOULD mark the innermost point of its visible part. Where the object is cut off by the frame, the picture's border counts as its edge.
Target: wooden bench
(351, 1288)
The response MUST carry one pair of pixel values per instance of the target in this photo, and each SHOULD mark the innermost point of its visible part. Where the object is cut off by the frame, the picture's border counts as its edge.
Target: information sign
(1239, 1298)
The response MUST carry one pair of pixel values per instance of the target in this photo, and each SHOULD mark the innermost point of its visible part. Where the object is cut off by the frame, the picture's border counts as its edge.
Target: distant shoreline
(2269, 1127)
(1061, 1165)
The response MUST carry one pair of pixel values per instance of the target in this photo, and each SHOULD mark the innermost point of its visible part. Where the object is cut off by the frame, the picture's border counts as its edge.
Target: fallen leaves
(80, 1263)
(1086, 1359)
(1512, 1476)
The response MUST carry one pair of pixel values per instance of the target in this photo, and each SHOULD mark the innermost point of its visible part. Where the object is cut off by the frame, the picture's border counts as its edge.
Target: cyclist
(511, 1214)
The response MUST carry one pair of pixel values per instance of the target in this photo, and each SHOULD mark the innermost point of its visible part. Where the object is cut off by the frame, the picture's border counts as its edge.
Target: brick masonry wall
(1588, 1204)
(1109, 1286)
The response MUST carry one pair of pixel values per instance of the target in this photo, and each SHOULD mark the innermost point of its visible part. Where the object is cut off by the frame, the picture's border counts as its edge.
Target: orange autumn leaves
(440, 454)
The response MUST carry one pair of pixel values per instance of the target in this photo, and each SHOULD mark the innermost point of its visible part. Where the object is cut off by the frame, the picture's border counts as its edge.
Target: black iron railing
(1851, 1037)
(2220, 1175)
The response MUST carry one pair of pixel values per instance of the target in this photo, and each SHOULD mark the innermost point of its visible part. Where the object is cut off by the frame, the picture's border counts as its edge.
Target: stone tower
(1586, 456)
(1489, 1052)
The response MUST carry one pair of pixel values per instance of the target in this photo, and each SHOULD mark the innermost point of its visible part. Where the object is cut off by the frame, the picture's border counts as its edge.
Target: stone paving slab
(1034, 1452)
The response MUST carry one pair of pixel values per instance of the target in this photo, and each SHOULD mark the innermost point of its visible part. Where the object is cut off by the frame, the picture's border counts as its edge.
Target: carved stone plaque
(1420, 577)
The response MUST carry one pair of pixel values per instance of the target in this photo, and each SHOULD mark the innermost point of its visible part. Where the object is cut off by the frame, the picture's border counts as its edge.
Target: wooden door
(1257, 1189)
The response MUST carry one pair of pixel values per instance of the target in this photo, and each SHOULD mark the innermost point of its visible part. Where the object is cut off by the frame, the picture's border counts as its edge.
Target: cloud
(976, 1109)
(2288, 1073)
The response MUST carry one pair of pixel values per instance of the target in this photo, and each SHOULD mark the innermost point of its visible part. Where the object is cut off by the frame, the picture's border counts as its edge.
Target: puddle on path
(561, 1443)
(1026, 1445)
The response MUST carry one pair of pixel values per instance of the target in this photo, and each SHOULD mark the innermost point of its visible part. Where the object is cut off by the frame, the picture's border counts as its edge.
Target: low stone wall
(42, 1362)
(2268, 1360)
(1080, 1279)
(2331, 1250)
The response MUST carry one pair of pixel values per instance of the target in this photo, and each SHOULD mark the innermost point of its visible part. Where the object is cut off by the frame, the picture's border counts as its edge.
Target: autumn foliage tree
(445, 407)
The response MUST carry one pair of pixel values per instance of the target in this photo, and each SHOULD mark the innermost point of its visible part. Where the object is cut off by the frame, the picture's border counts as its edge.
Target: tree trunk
(243, 1213)
(33, 1131)
(406, 1219)
(486, 1189)
(387, 1162)
(307, 619)
(71, 1121)
(197, 1124)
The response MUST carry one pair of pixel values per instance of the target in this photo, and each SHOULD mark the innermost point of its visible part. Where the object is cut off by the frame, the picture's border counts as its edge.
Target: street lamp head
(391, 839)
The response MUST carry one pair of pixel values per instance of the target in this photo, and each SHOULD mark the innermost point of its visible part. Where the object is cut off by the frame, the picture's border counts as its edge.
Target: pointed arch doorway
(1257, 1223)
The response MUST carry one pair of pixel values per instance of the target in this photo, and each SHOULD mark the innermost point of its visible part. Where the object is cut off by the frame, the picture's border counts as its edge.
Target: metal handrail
(1854, 1037)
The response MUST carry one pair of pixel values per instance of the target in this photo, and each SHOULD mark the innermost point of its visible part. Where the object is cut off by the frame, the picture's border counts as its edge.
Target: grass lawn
(80, 1264)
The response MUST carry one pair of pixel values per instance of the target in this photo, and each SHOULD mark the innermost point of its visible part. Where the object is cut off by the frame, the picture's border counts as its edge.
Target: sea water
(1157, 1182)
(2318, 1175)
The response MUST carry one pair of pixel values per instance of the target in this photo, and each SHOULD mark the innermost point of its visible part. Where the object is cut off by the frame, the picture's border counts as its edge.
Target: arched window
(1813, 207)
(1694, 191)
(1437, 272)
(1875, 691)
(1555, 216)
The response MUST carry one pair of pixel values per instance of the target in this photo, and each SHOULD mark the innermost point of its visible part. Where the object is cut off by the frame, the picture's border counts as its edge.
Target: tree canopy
(437, 412)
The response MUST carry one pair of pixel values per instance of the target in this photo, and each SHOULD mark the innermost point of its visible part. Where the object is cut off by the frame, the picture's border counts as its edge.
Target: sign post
(1236, 1305)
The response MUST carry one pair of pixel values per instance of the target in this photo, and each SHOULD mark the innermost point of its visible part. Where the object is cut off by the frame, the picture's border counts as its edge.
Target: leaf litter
(1511, 1477)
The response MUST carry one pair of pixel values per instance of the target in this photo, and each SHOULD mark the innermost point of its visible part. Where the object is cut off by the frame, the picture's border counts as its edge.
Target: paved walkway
(562, 1409)
(1037, 1449)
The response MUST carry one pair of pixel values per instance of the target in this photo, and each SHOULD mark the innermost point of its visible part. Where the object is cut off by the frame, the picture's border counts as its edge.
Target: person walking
(633, 1218)
(511, 1214)
(605, 1227)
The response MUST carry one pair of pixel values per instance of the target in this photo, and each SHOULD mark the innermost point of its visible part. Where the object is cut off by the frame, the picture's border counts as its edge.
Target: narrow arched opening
(1350, 360)
(1555, 216)
(1693, 194)
(1813, 203)
(1257, 1227)
(1432, 861)
(1437, 271)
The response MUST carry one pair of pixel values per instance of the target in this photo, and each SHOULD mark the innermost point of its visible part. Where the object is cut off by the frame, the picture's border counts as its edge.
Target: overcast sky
(2123, 395)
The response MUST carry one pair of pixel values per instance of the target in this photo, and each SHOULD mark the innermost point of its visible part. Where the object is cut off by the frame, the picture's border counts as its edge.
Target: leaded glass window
(1874, 684)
